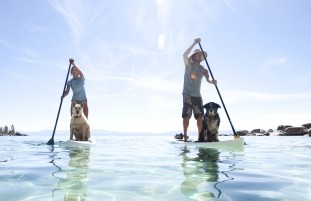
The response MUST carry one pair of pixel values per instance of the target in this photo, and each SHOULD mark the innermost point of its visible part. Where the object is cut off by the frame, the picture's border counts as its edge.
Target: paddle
(223, 104)
(51, 141)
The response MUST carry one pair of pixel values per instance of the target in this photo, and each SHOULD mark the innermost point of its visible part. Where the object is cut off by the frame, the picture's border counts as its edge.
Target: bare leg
(86, 109)
(199, 124)
(71, 106)
(186, 125)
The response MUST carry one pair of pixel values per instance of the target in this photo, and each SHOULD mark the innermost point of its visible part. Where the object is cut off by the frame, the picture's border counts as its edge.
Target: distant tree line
(6, 131)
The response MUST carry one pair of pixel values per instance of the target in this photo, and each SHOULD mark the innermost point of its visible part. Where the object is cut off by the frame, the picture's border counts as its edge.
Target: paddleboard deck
(73, 143)
(235, 143)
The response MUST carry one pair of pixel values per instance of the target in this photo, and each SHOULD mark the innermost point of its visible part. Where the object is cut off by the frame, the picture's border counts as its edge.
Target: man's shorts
(192, 104)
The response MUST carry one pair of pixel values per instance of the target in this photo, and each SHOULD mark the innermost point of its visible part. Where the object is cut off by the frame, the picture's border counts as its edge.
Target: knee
(199, 118)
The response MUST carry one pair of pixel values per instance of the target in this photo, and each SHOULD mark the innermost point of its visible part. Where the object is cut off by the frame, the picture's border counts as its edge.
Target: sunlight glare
(159, 3)
(161, 41)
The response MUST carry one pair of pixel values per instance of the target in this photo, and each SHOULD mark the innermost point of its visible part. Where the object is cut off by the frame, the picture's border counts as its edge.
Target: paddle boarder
(192, 99)
(78, 90)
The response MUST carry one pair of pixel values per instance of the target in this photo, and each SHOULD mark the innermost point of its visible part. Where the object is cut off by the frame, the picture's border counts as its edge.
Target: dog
(79, 125)
(210, 124)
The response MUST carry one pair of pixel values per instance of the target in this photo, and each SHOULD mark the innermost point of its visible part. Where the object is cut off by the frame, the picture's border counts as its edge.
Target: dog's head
(211, 108)
(77, 110)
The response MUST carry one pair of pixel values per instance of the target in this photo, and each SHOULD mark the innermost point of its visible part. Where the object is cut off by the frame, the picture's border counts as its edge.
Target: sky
(130, 53)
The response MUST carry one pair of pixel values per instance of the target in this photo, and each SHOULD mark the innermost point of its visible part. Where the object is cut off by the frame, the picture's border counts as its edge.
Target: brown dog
(79, 125)
(211, 121)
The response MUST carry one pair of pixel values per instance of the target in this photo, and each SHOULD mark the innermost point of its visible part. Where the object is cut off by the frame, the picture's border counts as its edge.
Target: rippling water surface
(152, 168)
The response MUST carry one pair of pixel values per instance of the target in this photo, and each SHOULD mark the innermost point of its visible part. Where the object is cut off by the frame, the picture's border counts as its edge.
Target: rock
(294, 131)
(13, 134)
(307, 125)
(242, 132)
(259, 132)
(20, 134)
(277, 133)
(283, 127)
(282, 130)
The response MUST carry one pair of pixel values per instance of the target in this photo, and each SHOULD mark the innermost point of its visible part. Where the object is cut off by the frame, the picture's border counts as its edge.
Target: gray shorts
(192, 104)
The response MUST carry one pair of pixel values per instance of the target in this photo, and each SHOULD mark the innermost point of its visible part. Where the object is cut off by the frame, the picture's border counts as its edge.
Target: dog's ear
(206, 106)
(215, 105)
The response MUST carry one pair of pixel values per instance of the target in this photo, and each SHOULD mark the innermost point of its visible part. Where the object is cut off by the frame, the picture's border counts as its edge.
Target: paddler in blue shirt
(77, 86)
(192, 99)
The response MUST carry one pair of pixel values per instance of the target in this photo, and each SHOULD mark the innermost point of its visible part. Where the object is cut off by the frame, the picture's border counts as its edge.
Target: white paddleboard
(235, 143)
(73, 143)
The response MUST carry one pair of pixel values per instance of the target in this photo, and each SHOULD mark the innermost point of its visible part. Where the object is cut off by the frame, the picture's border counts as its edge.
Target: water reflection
(72, 180)
(201, 170)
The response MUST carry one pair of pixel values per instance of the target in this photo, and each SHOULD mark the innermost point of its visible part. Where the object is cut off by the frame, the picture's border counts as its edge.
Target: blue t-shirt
(192, 80)
(78, 90)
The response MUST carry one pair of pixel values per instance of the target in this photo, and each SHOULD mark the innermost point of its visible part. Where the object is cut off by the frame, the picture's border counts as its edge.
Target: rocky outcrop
(295, 130)
(13, 134)
(282, 130)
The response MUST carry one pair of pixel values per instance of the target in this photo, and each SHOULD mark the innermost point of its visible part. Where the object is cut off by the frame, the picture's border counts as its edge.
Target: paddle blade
(50, 142)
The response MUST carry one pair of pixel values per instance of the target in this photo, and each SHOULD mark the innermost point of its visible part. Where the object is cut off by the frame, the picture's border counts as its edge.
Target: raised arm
(80, 72)
(187, 52)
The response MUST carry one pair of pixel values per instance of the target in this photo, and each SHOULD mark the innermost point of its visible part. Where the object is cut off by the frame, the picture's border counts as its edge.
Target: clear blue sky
(131, 55)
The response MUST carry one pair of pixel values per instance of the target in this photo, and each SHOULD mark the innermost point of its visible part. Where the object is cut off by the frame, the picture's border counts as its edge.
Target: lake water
(151, 168)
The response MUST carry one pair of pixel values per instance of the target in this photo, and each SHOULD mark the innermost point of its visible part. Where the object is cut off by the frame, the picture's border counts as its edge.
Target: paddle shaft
(51, 141)
(223, 104)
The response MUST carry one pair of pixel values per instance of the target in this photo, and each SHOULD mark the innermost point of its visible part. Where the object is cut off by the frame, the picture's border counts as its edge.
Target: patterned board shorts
(192, 104)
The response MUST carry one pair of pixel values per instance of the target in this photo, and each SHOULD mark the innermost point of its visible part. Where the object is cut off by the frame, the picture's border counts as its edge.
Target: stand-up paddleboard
(235, 143)
(73, 143)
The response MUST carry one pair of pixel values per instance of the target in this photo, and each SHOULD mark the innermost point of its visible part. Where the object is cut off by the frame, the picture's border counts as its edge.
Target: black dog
(211, 121)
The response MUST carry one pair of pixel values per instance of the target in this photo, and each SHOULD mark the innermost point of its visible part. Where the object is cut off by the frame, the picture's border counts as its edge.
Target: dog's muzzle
(211, 112)
(77, 113)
